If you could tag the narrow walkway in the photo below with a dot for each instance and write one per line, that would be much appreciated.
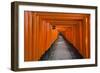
(61, 50)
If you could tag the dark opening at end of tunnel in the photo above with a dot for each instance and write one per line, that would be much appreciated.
(61, 49)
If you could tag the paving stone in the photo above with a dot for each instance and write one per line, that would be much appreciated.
(61, 50)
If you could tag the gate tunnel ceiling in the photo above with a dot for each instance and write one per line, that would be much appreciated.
(41, 29)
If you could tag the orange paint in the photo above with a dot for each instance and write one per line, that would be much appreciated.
(41, 30)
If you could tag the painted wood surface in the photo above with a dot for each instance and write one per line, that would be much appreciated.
(41, 29)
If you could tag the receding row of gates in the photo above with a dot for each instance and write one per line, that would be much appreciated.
(41, 29)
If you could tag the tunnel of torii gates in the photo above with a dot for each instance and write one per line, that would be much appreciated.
(41, 29)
